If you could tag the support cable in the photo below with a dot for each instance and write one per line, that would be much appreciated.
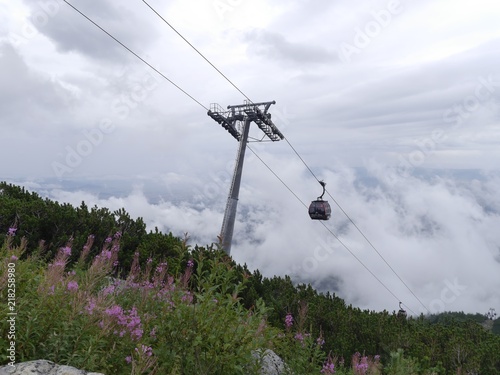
(328, 229)
(267, 166)
(359, 230)
(295, 151)
(199, 53)
(135, 54)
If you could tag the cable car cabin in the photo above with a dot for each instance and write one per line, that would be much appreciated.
(320, 210)
(401, 312)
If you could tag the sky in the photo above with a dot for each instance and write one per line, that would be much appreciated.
(394, 104)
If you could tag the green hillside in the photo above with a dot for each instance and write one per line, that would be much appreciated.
(95, 290)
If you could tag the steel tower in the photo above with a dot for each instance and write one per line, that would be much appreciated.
(246, 114)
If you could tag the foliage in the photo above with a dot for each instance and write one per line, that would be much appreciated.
(53, 224)
(197, 309)
(149, 323)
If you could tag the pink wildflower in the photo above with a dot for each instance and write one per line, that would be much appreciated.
(66, 250)
(108, 290)
(153, 332)
(145, 350)
(72, 286)
(116, 311)
(91, 306)
(299, 337)
(328, 367)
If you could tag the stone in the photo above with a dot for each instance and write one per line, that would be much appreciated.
(271, 363)
(42, 367)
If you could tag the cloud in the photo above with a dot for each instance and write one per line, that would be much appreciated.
(275, 47)
(23, 88)
(437, 232)
(72, 32)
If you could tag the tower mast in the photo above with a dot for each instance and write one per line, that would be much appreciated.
(245, 113)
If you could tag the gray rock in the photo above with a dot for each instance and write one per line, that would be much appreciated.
(271, 363)
(42, 367)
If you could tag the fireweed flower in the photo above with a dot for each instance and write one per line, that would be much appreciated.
(116, 311)
(108, 240)
(128, 359)
(131, 321)
(161, 267)
(187, 297)
(72, 286)
(110, 289)
(153, 332)
(12, 231)
(145, 350)
(360, 364)
(328, 367)
(190, 263)
(14, 258)
(66, 250)
(91, 306)
(288, 320)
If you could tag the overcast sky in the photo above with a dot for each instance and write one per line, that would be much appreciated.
(407, 92)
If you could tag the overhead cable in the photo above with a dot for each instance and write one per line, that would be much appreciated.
(295, 151)
(267, 166)
(133, 53)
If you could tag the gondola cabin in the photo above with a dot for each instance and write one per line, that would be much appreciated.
(320, 209)
(401, 312)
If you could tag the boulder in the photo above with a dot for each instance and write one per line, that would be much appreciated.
(42, 367)
(271, 363)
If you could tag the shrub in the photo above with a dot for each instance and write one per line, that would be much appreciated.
(149, 323)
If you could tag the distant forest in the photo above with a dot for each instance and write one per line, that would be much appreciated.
(443, 342)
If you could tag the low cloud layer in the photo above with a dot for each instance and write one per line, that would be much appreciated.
(438, 232)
